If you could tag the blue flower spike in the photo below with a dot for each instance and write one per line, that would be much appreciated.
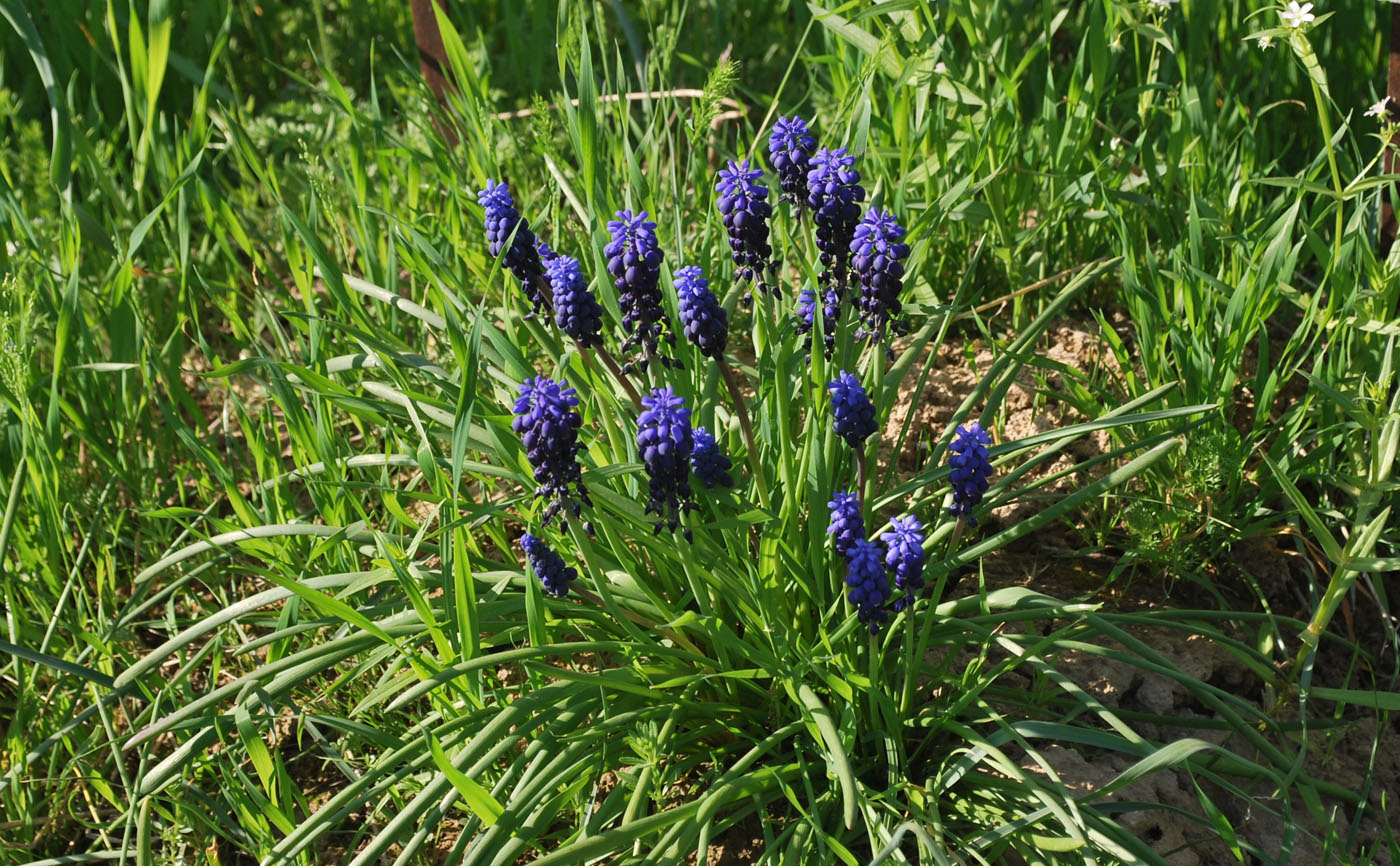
(790, 148)
(970, 470)
(708, 463)
(548, 425)
(704, 321)
(877, 259)
(634, 261)
(576, 311)
(665, 442)
(834, 194)
(744, 208)
(846, 526)
(854, 413)
(807, 316)
(548, 566)
(904, 555)
(504, 225)
(869, 585)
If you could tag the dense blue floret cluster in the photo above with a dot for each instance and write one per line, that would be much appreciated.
(807, 316)
(549, 566)
(576, 311)
(790, 150)
(634, 261)
(546, 252)
(971, 470)
(869, 585)
(548, 426)
(522, 258)
(846, 526)
(877, 258)
(665, 442)
(854, 414)
(743, 205)
(904, 555)
(705, 322)
(708, 463)
(834, 194)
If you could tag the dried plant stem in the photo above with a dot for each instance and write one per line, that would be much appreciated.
(741, 408)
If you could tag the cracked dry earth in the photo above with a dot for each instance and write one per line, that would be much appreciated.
(1341, 745)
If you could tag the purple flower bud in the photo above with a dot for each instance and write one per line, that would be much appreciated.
(665, 442)
(877, 258)
(708, 463)
(548, 566)
(745, 210)
(634, 261)
(904, 555)
(576, 311)
(548, 426)
(705, 322)
(789, 150)
(807, 315)
(521, 258)
(868, 582)
(834, 194)
(846, 526)
(971, 469)
(854, 413)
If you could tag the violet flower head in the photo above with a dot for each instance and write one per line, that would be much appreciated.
(877, 258)
(548, 566)
(846, 526)
(807, 317)
(904, 555)
(854, 414)
(789, 150)
(521, 258)
(634, 261)
(971, 469)
(743, 204)
(546, 252)
(705, 322)
(548, 425)
(834, 194)
(665, 442)
(868, 582)
(576, 310)
(708, 463)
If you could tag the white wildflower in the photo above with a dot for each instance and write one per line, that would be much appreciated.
(941, 68)
(1266, 42)
(1380, 109)
(1162, 4)
(1295, 15)
(1115, 143)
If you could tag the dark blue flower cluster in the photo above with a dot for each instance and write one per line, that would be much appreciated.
(665, 442)
(904, 555)
(576, 311)
(634, 260)
(546, 252)
(504, 225)
(854, 414)
(705, 322)
(790, 149)
(846, 526)
(743, 205)
(549, 566)
(971, 470)
(869, 585)
(548, 426)
(877, 258)
(834, 194)
(708, 463)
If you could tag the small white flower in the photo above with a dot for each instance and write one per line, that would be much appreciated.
(1380, 109)
(941, 68)
(1162, 4)
(1296, 15)
(1266, 42)
(1115, 143)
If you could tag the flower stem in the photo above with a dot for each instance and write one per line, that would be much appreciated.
(616, 372)
(741, 408)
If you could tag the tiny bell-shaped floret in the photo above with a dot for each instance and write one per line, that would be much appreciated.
(548, 566)
(970, 470)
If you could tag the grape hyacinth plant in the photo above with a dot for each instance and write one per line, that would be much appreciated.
(634, 261)
(807, 317)
(504, 225)
(854, 414)
(869, 584)
(846, 525)
(548, 566)
(877, 259)
(576, 312)
(548, 425)
(704, 321)
(834, 194)
(743, 205)
(970, 470)
(708, 463)
(665, 442)
(904, 555)
(790, 148)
